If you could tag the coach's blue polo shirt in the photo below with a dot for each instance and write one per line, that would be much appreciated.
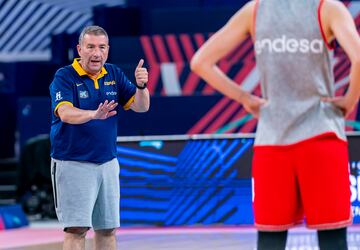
(93, 141)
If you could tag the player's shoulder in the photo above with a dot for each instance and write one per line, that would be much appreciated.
(251, 3)
(333, 2)
(333, 6)
(250, 6)
(245, 14)
(335, 10)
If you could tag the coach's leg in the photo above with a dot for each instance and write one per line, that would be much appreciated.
(75, 238)
(106, 216)
(105, 239)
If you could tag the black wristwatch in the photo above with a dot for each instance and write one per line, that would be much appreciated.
(141, 87)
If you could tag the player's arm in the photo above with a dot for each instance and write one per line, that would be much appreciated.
(219, 45)
(72, 115)
(343, 29)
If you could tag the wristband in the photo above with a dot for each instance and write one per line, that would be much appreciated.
(141, 87)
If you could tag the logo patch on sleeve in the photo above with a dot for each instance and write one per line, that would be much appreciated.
(58, 96)
(83, 94)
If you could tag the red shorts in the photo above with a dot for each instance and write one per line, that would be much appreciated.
(309, 179)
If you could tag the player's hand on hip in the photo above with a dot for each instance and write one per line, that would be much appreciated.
(105, 110)
(141, 74)
(344, 104)
(253, 104)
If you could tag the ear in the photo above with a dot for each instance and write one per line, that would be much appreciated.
(78, 47)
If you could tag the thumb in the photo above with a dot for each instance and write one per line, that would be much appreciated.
(140, 64)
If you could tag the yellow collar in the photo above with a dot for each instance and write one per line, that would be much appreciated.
(76, 65)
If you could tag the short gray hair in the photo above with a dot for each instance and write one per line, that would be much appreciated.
(93, 30)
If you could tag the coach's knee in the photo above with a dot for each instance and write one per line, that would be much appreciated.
(106, 232)
(77, 231)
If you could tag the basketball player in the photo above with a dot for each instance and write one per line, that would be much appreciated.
(300, 164)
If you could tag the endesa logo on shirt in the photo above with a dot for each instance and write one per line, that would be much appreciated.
(289, 45)
(112, 93)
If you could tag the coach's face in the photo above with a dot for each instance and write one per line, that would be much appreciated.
(93, 52)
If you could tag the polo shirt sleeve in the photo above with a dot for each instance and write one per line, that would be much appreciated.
(126, 90)
(61, 91)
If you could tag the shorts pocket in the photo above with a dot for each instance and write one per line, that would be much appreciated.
(53, 175)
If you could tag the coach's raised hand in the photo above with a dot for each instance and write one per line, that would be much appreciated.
(142, 98)
(141, 75)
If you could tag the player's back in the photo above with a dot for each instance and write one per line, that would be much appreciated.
(295, 65)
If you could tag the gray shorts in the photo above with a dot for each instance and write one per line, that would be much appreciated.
(86, 194)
